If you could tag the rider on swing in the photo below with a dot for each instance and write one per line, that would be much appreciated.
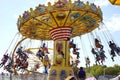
(4, 59)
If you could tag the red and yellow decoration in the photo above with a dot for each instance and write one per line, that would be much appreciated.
(80, 17)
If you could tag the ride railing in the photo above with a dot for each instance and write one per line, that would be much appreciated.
(24, 77)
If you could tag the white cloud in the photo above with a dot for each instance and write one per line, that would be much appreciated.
(102, 3)
(113, 23)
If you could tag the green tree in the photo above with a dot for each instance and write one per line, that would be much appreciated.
(97, 70)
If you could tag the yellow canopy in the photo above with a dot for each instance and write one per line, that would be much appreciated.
(81, 18)
(115, 2)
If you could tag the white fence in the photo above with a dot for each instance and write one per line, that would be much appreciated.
(24, 77)
(37, 76)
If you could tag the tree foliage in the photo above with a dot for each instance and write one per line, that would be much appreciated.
(97, 70)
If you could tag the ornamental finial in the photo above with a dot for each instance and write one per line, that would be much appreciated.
(50, 7)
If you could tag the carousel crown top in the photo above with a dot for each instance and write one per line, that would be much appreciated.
(80, 17)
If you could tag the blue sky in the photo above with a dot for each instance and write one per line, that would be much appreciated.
(11, 9)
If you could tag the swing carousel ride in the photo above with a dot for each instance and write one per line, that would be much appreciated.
(60, 23)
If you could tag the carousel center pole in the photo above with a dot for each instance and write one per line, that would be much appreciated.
(61, 59)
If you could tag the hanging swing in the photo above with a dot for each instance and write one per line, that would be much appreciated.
(8, 62)
(87, 59)
(74, 47)
(6, 55)
(114, 48)
(98, 51)
(40, 52)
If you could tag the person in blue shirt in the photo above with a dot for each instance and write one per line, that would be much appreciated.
(81, 74)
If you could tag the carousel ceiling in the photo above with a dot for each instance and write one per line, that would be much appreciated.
(81, 17)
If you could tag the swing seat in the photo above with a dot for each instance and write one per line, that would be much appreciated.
(114, 55)
(17, 60)
(4, 61)
(97, 58)
(102, 59)
(97, 45)
(8, 69)
(37, 66)
(24, 65)
(44, 49)
(71, 46)
(75, 53)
